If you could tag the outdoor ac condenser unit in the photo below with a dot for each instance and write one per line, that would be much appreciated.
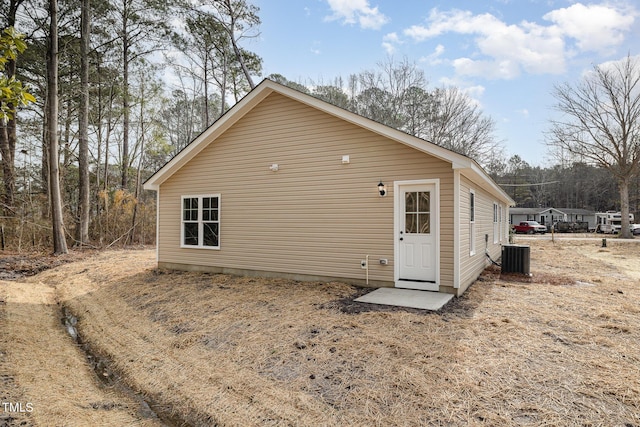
(515, 259)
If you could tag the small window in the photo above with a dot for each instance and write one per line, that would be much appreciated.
(200, 222)
(496, 225)
(417, 212)
(501, 214)
(472, 222)
(472, 207)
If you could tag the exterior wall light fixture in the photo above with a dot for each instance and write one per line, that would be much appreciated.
(382, 189)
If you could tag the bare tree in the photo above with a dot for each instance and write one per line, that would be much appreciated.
(383, 94)
(204, 44)
(454, 121)
(397, 95)
(211, 51)
(59, 242)
(601, 121)
(138, 26)
(239, 19)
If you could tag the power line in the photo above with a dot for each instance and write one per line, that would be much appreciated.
(528, 185)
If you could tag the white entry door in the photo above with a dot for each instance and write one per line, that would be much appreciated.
(417, 236)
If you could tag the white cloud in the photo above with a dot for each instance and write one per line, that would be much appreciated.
(435, 57)
(357, 11)
(315, 48)
(390, 41)
(609, 66)
(595, 27)
(392, 37)
(458, 21)
(390, 48)
(504, 51)
(474, 92)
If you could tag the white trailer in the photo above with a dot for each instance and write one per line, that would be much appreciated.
(610, 222)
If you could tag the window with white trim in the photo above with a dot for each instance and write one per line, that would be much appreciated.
(501, 213)
(472, 222)
(496, 226)
(200, 226)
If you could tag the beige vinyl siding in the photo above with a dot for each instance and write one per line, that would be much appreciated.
(472, 265)
(313, 217)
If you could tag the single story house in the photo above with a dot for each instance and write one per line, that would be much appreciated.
(287, 185)
(549, 216)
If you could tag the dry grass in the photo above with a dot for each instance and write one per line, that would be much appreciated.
(561, 348)
(46, 372)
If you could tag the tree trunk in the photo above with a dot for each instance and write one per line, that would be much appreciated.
(223, 86)
(132, 233)
(44, 168)
(623, 185)
(59, 242)
(205, 82)
(234, 43)
(125, 105)
(8, 129)
(82, 227)
(7, 170)
(64, 141)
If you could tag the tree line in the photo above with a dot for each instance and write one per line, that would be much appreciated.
(96, 96)
(574, 185)
(74, 159)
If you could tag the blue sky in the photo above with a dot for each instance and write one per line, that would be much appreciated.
(507, 54)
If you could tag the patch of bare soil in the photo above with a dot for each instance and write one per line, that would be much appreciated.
(561, 347)
(16, 265)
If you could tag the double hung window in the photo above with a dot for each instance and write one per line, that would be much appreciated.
(200, 222)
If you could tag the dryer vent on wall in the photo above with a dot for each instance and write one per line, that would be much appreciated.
(515, 259)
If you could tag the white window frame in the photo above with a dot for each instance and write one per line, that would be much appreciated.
(199, 221)
(501, 212)
(496, 223)
(472, 222)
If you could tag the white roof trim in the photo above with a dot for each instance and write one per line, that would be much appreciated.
(266, 87)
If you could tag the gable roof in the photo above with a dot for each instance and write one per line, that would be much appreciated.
(536, 211)
(267, 87)
(525, 211)
(552, 210)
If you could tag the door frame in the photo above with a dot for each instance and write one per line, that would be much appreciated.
(398, 207)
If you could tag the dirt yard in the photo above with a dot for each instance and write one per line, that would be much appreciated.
(560, 348)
